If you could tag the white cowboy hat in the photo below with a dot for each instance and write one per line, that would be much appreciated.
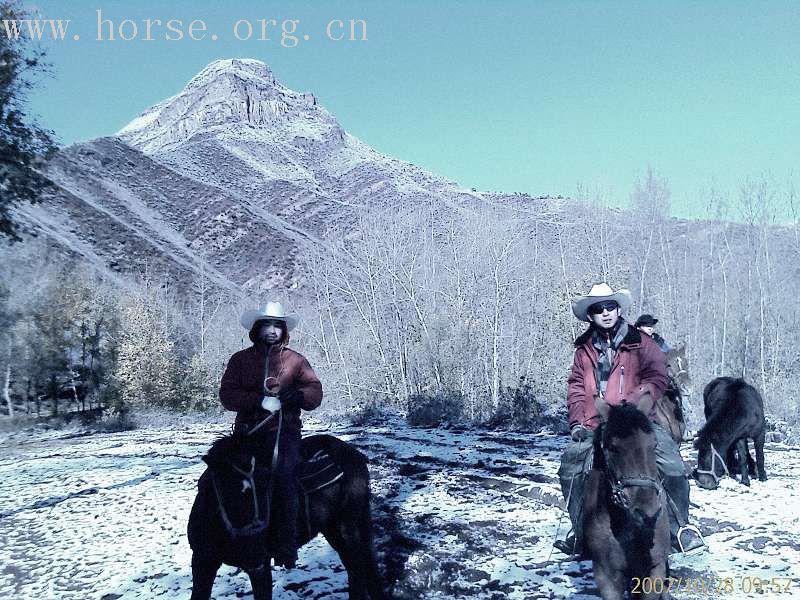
(272, 310)
(599, 293)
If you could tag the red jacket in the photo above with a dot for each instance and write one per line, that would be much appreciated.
(639, 367)
(242, 387)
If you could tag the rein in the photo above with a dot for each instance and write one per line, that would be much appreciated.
(257, 525)
(713, 472)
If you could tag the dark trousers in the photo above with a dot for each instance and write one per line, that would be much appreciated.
(285, 500)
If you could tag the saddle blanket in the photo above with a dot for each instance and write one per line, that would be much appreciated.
(318, 471)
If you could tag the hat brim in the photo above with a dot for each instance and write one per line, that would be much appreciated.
(250, 317)
(580, 306)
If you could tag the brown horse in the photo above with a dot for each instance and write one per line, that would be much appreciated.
(734, 413)
(669, 408)
(625, 518)
(231, 513)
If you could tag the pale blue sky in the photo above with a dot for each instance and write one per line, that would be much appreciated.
(510, 96)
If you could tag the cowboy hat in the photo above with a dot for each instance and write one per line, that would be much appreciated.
(599, 293)
(272, 310)
(645, 321)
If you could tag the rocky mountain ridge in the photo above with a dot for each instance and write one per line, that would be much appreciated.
(232, 177)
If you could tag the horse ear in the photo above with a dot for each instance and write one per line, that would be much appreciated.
(602, 407)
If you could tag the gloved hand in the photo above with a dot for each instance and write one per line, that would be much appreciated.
(290, 397)
(579, 433)
(270, 403)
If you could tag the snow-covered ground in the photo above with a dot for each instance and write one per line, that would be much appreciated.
(457, 514)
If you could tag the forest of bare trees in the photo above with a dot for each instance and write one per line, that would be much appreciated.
(469, 309)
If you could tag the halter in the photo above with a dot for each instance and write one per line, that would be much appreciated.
(618, 484)
(714, 456)
(257, 525)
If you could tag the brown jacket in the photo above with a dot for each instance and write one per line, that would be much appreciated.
(242, 387)
(639, 367)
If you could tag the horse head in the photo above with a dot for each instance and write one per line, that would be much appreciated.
(711, 465)
(625, 520)
(627, 447)
(239, 475)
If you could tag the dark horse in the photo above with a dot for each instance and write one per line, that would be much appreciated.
(669, 409)
(229, 519)
(734, 413)
(625, 516)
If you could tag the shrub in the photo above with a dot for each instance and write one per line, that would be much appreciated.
(443, 408)
(369, 413)
(519, 408)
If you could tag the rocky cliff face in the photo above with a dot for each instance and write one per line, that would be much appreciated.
(234, 177)
(226, 93)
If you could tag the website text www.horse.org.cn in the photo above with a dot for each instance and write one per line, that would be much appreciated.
(287, 32)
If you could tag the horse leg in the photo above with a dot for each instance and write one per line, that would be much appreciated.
(751, 465)
(758, 442)
(610, 582)
(658, 582)
(204, 570)
(741, 448)
(261, 581)
(353, 543)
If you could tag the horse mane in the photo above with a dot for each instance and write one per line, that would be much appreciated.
(625, 419)
(228, 448)
(225, 448)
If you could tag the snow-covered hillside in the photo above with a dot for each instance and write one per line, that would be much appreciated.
(457, 514)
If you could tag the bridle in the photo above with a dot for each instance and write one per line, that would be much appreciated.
(257, 525)
(618, 484)
(713, 472)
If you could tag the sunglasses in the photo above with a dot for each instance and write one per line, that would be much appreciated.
(598, 308)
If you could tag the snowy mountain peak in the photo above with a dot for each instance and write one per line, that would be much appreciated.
(227, 93)
(243, 68)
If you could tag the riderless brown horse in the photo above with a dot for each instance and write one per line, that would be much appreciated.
(625, 518)
(734, 413)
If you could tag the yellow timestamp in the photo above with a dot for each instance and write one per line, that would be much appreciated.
(713, 585)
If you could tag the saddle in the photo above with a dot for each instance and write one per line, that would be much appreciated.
(314, 473)
(318, 471)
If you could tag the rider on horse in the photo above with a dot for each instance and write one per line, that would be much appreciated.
(267, 384)
(615, 362)
(671, 404)
(647, 324)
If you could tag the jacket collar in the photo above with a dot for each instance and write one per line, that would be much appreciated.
(632, 340)
(260, 350)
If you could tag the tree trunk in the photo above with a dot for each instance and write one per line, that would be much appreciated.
(6, 389)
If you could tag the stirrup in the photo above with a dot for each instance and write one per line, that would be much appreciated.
(568, 546)
(696, 549)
